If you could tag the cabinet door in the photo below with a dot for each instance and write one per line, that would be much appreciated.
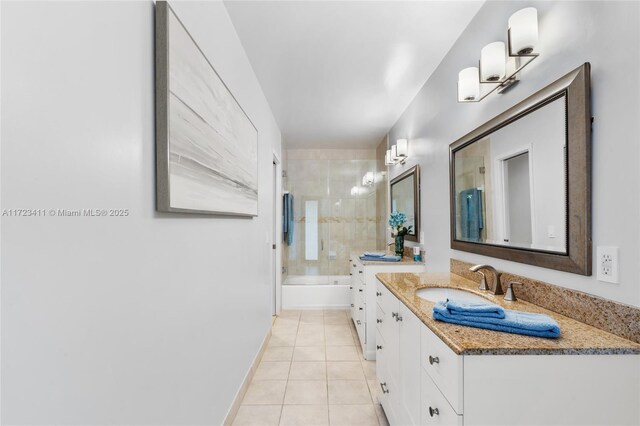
(435, 407)
(409, 366)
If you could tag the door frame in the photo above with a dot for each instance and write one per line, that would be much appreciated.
(276, 224)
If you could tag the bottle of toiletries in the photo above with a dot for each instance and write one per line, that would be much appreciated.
(416, 254)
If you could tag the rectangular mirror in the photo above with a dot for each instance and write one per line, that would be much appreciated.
(520, 184)
(405, 198)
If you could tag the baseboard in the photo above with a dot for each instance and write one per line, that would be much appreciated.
(235, 405)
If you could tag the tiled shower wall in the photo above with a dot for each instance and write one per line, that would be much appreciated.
(383, 235)
(346, 210)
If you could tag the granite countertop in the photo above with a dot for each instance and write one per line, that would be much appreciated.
(406, 260)
(577, 337)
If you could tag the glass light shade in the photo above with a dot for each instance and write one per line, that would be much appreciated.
(394, 152)
(402, 147)
(387, 158)
(468, 84)
(493, 62)
(523, 31)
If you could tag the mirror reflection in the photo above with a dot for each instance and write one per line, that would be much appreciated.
(510, 185)
(404, 199)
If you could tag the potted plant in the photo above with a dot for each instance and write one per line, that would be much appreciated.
(397, 221)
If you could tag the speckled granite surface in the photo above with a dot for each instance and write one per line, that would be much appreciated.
(614, 317)
(406, 260)
(577, 337)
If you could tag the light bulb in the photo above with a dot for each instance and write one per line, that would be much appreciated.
(468, 84)
(493, 62)
(402, 147)
(523, 31)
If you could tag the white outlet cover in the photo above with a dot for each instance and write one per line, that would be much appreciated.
(607, 264)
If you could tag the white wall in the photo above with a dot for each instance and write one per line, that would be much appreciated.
(149, 319)
(571, 33)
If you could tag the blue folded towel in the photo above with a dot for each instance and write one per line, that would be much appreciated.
(517, 322)
(373, 254)
(461, 308)
(385, 258)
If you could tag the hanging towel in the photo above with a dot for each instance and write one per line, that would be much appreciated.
(471, 216)
(287, 218)
(460, 308)
(385, 258)
(537, 325)
(290, 215)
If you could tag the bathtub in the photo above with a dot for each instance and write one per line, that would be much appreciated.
(316, 292)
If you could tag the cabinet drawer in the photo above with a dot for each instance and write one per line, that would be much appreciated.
(385, 298)
(443, 366)
(435, 409)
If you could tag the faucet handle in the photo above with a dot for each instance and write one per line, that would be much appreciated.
(483, 282)
(510, 295)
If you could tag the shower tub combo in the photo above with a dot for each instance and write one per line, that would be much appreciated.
(316, 291)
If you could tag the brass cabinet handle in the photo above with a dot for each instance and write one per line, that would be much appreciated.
(378, 347)
(383, 386)
(378, 293)
(433, 412)
(434, 360)
(377, 320)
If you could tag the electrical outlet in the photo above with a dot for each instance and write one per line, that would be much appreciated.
(607, 264)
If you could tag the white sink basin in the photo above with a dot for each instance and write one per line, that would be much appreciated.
(436, 294)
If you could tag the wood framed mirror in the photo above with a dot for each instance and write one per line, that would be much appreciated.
(405, 198)
(520, 184)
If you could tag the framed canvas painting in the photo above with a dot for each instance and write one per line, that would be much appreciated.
(206, 145)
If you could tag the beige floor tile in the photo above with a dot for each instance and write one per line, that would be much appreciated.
(285, 328)
(337, 329)
(338, 338)
(311, 328)
(335, 311)
(258, 415)
(374, 389)
(342, 353)
(336, 320)
(349, 392)
(369, 368)
(382, 417)
(276, 353)
(345, 370)
(308, 370)
(289, 313)
(310, 339)
(309, 353)
(267, 392)
(352, 415)
(303, 392)
(312, 320)
(304, 415)
(272, 370)
(282, 340)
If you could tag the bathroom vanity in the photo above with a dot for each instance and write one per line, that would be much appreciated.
(431, 372)
(363, 296)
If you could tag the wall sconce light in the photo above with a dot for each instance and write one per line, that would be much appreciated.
(398, 153)
(368, 179)
(499, 64)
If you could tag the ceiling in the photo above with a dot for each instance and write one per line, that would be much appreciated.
(338, 74)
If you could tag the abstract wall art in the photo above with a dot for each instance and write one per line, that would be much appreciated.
(206, 145)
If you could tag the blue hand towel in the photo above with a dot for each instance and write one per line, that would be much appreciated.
(460, 308)
(537, 325)
(373, 254)
(385, 258)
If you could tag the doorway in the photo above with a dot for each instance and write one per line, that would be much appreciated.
(276, 239)
(517, 200)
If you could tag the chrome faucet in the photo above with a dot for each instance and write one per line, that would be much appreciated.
(497, 287)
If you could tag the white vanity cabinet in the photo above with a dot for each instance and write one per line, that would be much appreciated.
(424, 382)
(363, 297)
